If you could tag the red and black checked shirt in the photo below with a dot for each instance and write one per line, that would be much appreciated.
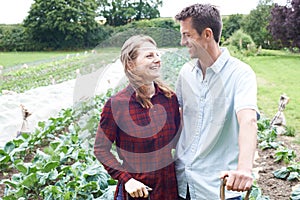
(144, 139)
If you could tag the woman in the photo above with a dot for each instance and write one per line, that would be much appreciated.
(143, 121)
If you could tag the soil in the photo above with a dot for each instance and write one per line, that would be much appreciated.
(274, 188)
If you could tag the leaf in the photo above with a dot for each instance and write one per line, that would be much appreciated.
(293, 176)
(42, 177)
(30, 181)
(52, 192)
(90, 187)
(25, 135)
(108, 193)
(296, 194)
(18, 142)
(9, 146)
(281, 173)
(50, 166)
(53, 174)
(54, 145)
(112, 181)
(10, 183)
(4, 157)
(73, 184)
(22, 168)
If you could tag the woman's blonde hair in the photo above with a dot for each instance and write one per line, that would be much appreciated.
(129, 53)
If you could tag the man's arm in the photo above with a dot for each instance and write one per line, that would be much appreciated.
(241, 179)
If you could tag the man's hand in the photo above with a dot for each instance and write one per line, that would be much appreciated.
(238, 180)
(136, 188)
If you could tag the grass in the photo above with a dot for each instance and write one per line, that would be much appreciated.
(45, 68)
(278, 73)
(8, 59)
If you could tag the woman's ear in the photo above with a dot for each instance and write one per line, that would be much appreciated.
(130, 65)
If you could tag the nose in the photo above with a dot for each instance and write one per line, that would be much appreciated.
(157, 58)
(183, 41)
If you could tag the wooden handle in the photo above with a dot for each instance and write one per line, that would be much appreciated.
(222, 190)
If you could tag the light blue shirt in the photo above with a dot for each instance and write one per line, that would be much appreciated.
(209, 140)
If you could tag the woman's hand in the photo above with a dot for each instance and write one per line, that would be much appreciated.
(136, 188)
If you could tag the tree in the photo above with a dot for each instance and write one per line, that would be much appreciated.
(61, 23)
(293, 21)
(231, 24)
(277, 23)
(255, 24)
(121, 12)
(285, 24)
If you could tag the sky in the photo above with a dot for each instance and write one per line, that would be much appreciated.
(14, 11)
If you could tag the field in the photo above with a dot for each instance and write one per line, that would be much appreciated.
(42, 163)
(19, 58)
(277, 74)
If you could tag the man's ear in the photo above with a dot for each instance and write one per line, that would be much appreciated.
(208, 33)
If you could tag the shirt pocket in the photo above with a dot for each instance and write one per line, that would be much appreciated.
(218, 110)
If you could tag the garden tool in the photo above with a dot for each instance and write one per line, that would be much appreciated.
(222, 190)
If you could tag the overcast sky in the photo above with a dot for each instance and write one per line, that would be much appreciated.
(14, 11)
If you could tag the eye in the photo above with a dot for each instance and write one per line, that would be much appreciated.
(186, 35)
(149, 55)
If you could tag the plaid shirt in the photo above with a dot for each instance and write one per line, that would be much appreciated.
(144, 139)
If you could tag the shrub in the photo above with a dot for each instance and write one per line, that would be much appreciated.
(164, 37)
(242, 42)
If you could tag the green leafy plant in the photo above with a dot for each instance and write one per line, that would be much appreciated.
(290, 131)
(256, 193)
(284, 154)
(62, 165)
(295, 194)
(290, 173)
(266, 135)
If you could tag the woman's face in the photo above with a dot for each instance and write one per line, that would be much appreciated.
(147, 63)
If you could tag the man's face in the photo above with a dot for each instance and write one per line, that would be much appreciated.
(191, 39)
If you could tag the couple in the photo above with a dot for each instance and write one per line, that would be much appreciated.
(216, 137)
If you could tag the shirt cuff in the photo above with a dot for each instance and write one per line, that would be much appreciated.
(124, 177)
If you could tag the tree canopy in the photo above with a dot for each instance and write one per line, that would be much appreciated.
(231, 24)
(285, 24)
(121, 12)
(255, 24)
(61, 22)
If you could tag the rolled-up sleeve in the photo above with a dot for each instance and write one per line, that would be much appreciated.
(105, 137)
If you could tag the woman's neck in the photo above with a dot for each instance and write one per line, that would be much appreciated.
(150, 88)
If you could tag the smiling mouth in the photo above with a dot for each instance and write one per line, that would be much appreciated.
(155, 67)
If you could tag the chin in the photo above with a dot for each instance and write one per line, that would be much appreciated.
(192, 56)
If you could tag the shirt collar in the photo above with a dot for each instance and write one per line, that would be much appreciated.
(218, 65)
(221, 61)
(131, 90)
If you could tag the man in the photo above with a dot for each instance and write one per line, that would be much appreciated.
(217, 96)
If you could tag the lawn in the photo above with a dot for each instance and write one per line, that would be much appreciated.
(278, 74)
(8, 59)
